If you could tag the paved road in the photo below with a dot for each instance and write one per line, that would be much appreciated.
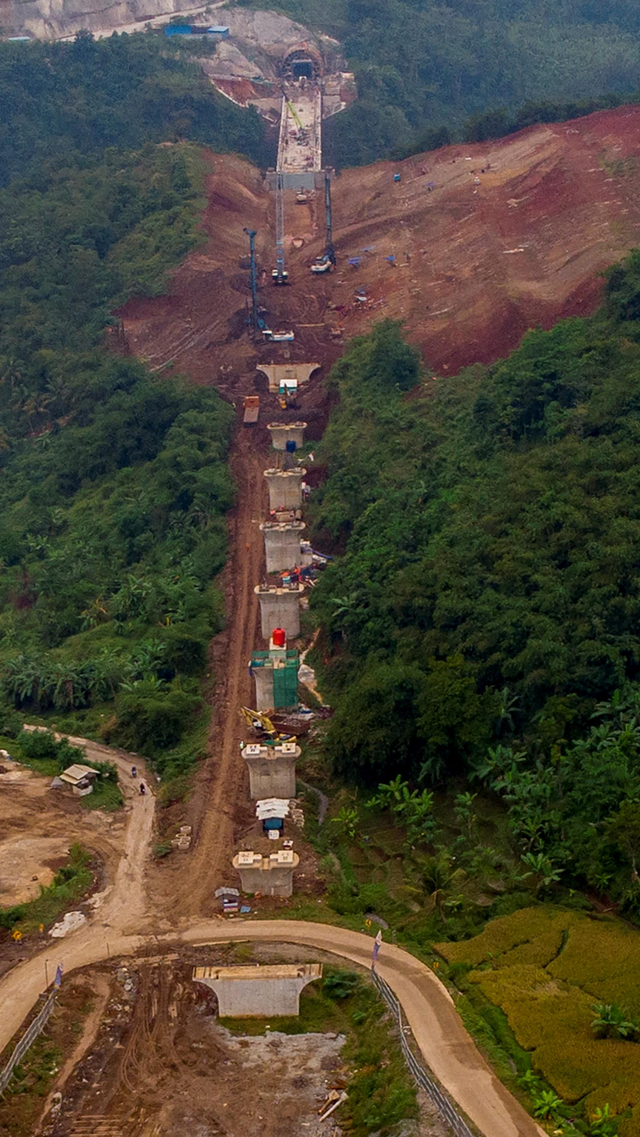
(438, 1030)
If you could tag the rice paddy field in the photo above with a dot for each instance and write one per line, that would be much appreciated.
(545, 967)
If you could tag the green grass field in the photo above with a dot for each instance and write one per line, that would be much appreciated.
(546, 968)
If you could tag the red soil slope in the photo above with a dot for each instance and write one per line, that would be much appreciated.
(479, 259)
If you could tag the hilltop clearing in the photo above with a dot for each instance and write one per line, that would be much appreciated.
(476, 265)
(485, 255)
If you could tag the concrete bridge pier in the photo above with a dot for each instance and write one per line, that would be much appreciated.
(280, 608)
(260, 991)
(285, 488)
(271, 876)
(282, 544)
(283, 432)
(281, 375)
(272, 770)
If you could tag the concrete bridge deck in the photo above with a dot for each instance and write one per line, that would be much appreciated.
(300, 141)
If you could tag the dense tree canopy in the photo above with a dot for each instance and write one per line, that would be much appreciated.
(113, 483)
(68, 102)
(488, 598)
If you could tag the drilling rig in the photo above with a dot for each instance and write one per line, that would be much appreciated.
(279, 274)
(326, 263)
(256, 319)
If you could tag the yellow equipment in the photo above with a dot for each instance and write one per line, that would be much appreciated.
(264, 728)
(295, 114)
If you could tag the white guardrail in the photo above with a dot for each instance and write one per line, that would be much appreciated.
(29, 1036)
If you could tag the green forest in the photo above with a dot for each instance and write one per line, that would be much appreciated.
(481, 624)
(66, 104)
(114, 483)
(422, 65)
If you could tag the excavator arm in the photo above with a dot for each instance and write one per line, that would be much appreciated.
(262, 725)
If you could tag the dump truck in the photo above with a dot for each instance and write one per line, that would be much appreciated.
(251, 406)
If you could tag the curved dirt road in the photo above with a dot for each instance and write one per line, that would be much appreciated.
(124, 902)
(430, 1011)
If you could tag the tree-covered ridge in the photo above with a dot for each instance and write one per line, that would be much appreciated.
(65, 102)
(424, 64)
(486, 605)
(114, 484)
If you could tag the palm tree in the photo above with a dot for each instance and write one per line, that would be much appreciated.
(110, 670)
(440, 878)
(95, 614)
(21, 680)
(391, 795)
(343, 607)
(546, 1104)
(612, 1021)
(506, 710)
(542, 867)
(603, 1123)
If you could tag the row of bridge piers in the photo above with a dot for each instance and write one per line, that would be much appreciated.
(271, 759)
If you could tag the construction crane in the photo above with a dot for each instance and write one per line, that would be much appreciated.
(279, 274)
(256, 321)
(326, 263)
(295, 114)
(264, 728)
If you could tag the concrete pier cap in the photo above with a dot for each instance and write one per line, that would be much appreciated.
(279, 608)
(285, 487)
(272, 769)
(260, 991)
(282, 543)
(283, 432)
(271, 876)
(281, 374)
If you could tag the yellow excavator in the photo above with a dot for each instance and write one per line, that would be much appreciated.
(264, 727)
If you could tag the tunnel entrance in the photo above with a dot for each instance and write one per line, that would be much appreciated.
(302, 62)
(302, 69)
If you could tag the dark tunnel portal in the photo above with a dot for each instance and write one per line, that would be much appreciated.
(302, 69)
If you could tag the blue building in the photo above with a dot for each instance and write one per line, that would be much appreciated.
(216, 31)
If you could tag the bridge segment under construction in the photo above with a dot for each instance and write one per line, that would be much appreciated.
(299, 163)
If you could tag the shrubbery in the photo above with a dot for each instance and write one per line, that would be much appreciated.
(482, 622)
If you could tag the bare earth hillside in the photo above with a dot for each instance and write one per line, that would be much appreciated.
(492, 254)
(479, 258)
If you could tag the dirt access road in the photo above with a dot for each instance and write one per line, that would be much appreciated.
(184, 887)
(430, 1011)
(123, 903)
(200, 327)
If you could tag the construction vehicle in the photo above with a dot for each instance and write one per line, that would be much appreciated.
(282, 336)
(251, 405)
(256, 319)
(279, 274)
(264, 727)
(326, 263)
(288, 393)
